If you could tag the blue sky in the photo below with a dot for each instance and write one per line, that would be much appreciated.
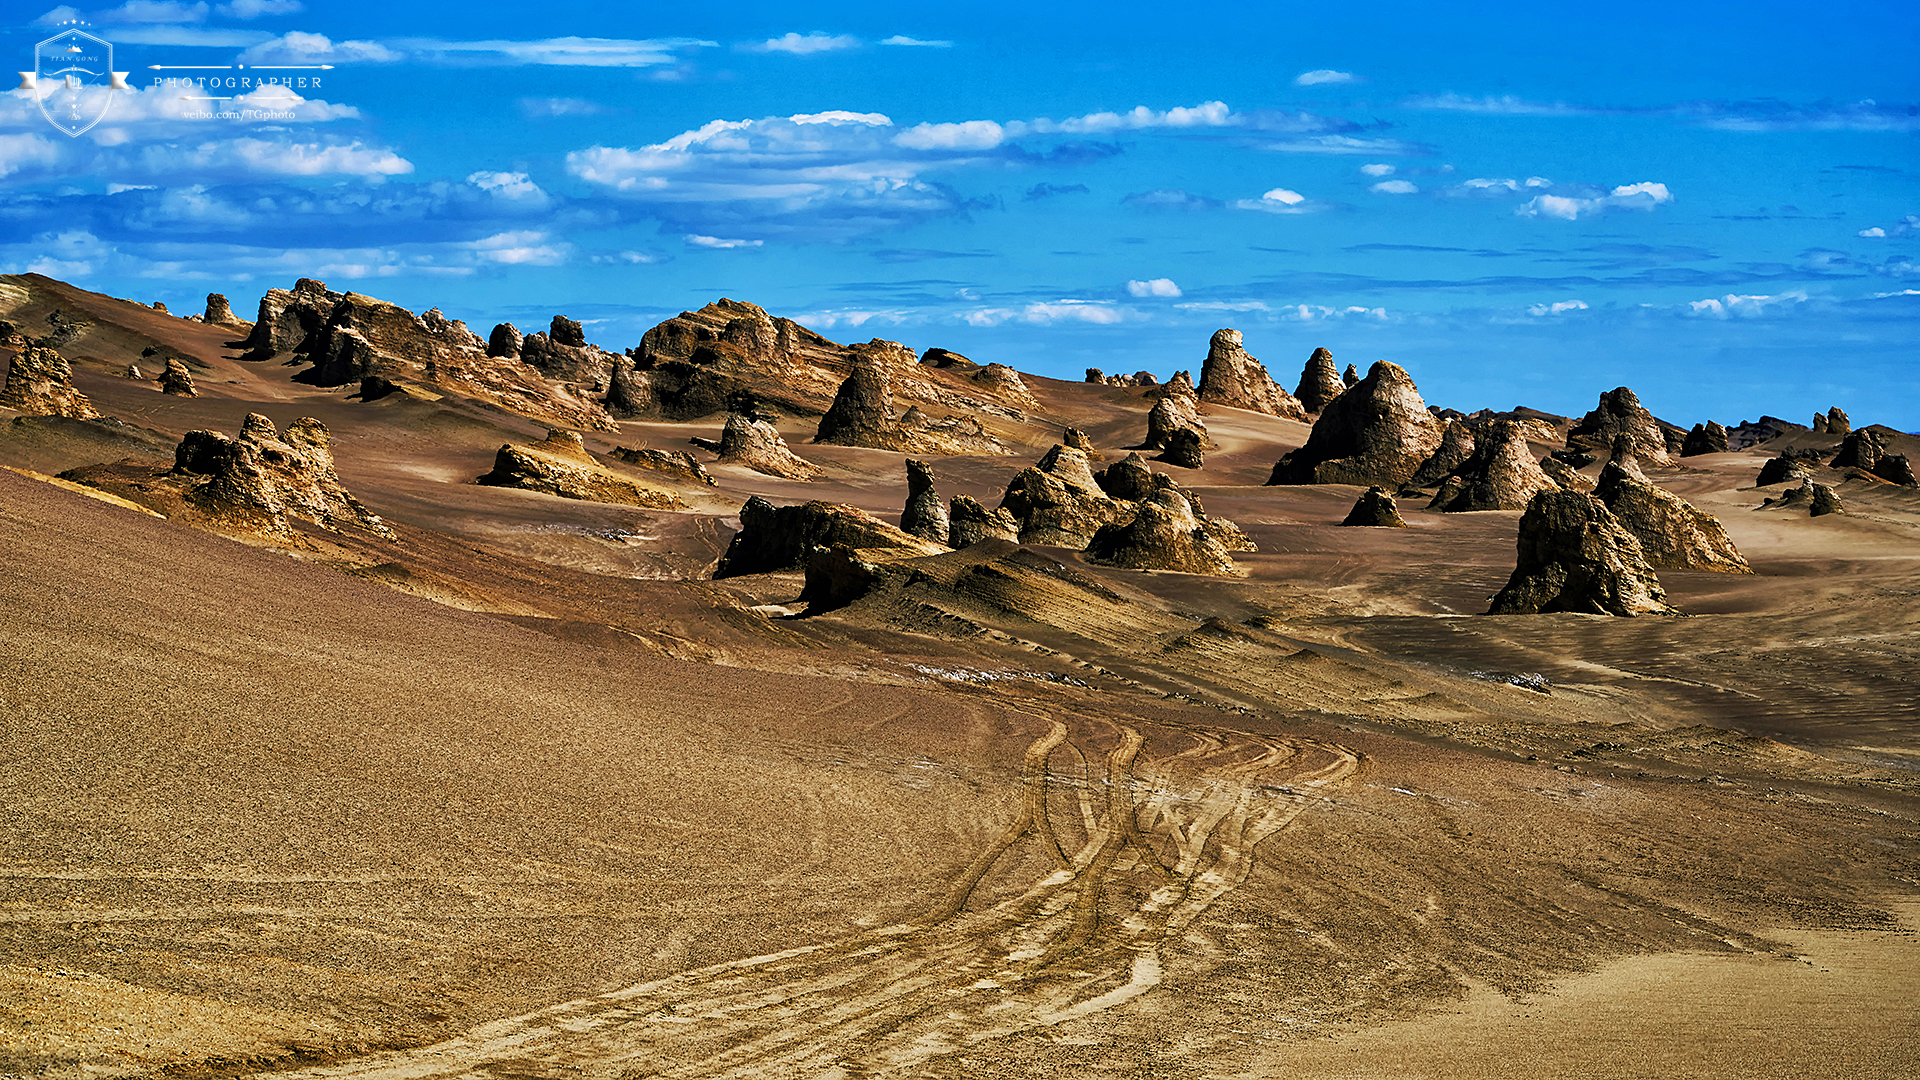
(1713, 203)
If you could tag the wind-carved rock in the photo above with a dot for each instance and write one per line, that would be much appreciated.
(1177, 409)
(699, 363)
(862, 415)
(1375, 508)
(133, 372)
(1707, 438)
(1351, 376)
(1163, 534)
(1782, 470)
(1861, 450)
(1058, 502)
(1620, 413)
(560, 465)
(1377, 433)
(969, 523)
(177, 380)
(220, 313)
(40, 383)
(1005, 383)
(677, 464)
(943, 358)
(1574, 556)
(1501, 474)
(260, 479)
(1130, 479)
(758, 445)
(1077, 439)
(1186, 448)
(563, 355)
(1232, 377)
(925, 516)
(1837, 422)
(1673, 534)
(1456, 446)
(1824, 501)
(1566, 475)
(1896, 469)
(775, 538)
(1320, 382)
(505, 341)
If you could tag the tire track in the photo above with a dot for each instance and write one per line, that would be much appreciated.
(1164, 841)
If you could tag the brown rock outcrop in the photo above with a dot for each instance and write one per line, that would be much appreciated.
(1860, 450)
(1673, 534)
(699, 362)
(560, 465)
(1351, 376)
(505, 341)
(177, 380)
(1173, 413)
(862, 415)
(1378, 432)
(1837, 422)
(1895, 469)
(1005, 383)
(1566, 475)
(1319, 382)
(1058, 502)
(943, 358)
(1501, 474)
(1077, 439)
(563, 355)
(1574, 556)
(40, 383)
(260, 479)
(969, 523)
(1781, 470)
(1163, 534)
(758, 445)
(1186, 448)
(1232, 377)
(1456, 446)
(133, 372)
(1375, 508)
(925, 515)
(1130, 478)
(775, 538)
(677, 464)
(1620, 413)
(220, 313)
(1824, 501)
(1707, 438)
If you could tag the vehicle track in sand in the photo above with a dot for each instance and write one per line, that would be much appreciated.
(1152, 844)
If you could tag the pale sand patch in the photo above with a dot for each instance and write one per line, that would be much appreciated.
(1847, 1007)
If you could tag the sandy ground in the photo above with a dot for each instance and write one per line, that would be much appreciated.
(523, 793)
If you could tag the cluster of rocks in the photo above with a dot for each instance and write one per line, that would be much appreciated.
(1867, 450)
(1138, 378)
(1672, 532)
(1575, 556)
(1234, 378)
(1621, 426)
(1500, 474)
(261, 478)
(1706, 438)
(776, 538)
(676, 464)
(560, 465)
(1174, 426)
(1832, 422)
(750, 440)
(1817, 500)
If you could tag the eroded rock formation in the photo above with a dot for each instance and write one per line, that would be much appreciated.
(1566, 475)
(1058, 502)
(1673, 534)
(969, 523)
(1500, 474)
(1574, 556)
(677, 464)
(220, 313)
(1620, 413)
(1351, 376)
(177, 380)
(1186, 448)
(1707, 438)
(505, 341)
(1163, 534)
(1375, 508)
(1319, 382)
(1177, 409)
(560, 465)
(1232, 377)
(40, 383)
(1377, 433)
(758, 445)
(1456, 446)
(259, 479)
(775, 538)
(925, 515)
(1781, 470)
(862, 415)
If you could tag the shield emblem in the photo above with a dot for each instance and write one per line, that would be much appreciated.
(73, 80)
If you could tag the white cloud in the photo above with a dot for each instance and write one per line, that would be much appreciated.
(1224, 305)
(1323, 77)
(551, 52)
(18, 151)
(1097, 312)
(807, 44)
(61, 14)
(628, 258)
(694, 240)
(1641, 196)
(1285, 197)
(966, 135)
(1731, 306)
(254, 9)
(1507, 105)
(1279, 201)
(514, 187)
(153, 11)
(1378, 170)
(271, 157)
(1317, 313)
(548, 107)
(1206, 114)
(830, 318)
(1558, 308)
(1875, 233)
(902, 39)
(1890, 295)
(1906, 225)
(1395, 187)
(300, 47)
(522, 248)
(1154, 287)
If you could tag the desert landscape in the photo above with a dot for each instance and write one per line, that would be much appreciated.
(387, 700)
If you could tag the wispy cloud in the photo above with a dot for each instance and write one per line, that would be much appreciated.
(1324, 77)
(720, 243)
(550, 52)
(1770, 115)
(255, 9)
(552, 107)
(1049, 191)
(1395, 187)
(1503, 105)
(1171, 199)
(1048, 313)
(1642, 196)
(1281, 201)
(1558, 307)
(806, 44)
(1746, 307)
(902, 39)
